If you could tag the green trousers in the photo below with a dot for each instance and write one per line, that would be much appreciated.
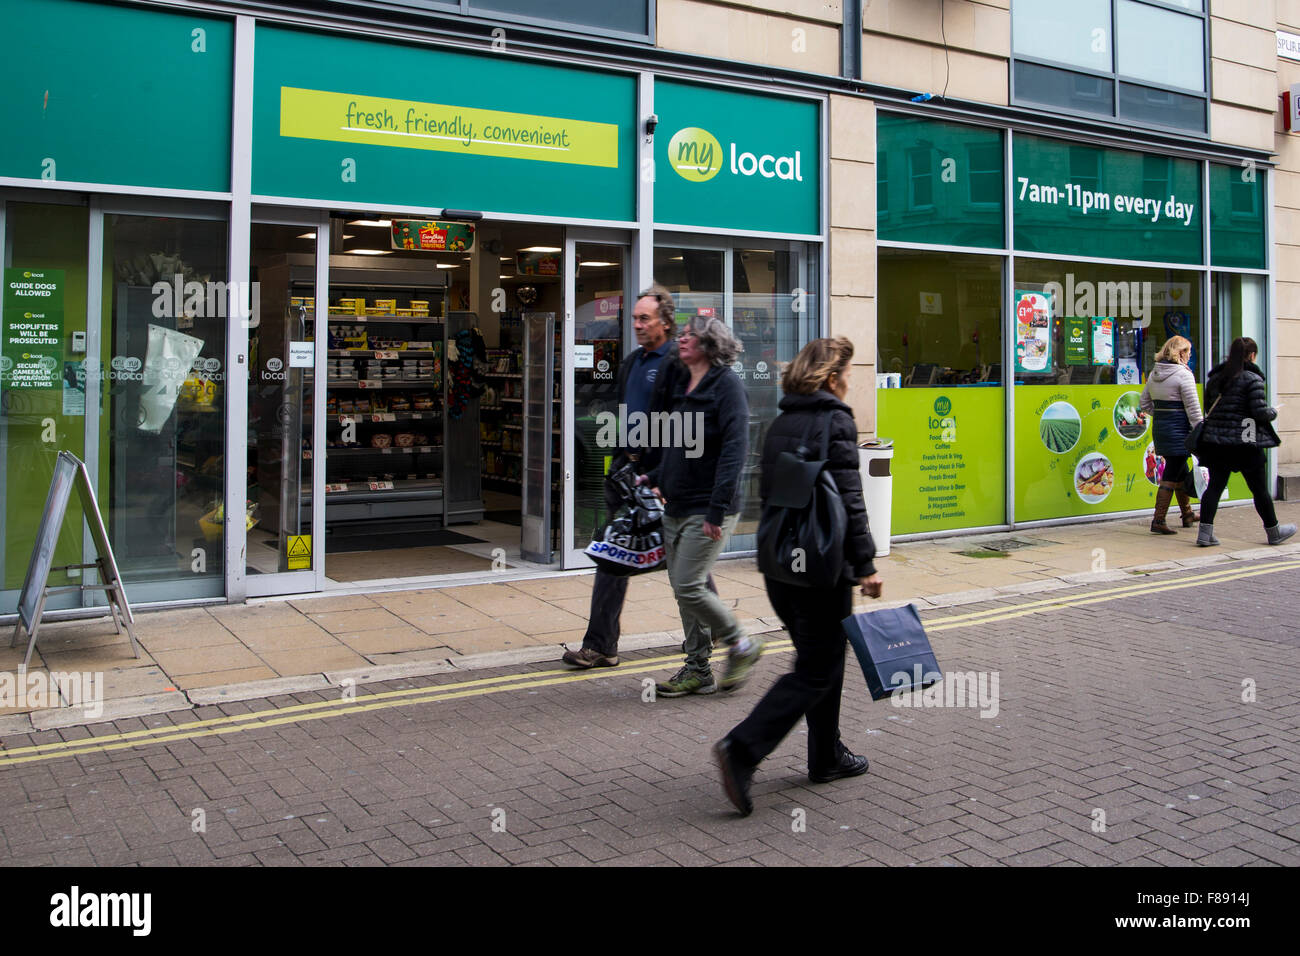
(690, 554)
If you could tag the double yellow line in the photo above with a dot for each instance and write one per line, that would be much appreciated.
(299, 713)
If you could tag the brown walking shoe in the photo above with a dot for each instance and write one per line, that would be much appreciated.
(587, 658)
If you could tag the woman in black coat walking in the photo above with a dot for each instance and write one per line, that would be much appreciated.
(815, 385)
(1238, 427)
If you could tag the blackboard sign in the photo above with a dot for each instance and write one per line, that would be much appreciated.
(69, 470)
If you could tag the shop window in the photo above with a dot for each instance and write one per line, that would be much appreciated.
(627, 18)
(42, 387)
(1055, 45)
(1237, 308)
(694, 276)
(1085, 339)
(167, 314)
(938, 387)
(954, 182)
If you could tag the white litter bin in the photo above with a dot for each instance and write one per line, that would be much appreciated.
(877, 488)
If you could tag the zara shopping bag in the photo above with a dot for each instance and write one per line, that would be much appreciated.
(893, 650)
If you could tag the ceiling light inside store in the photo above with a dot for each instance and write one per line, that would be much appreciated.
(598, 265)
(377, 223)
(675, 258)
(541, 249)
(369, 252)
(445, 265)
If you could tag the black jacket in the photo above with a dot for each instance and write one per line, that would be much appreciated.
(808, 414)
(707, 480)
(660, 395)
(1241, 400)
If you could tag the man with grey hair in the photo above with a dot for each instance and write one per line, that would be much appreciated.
(644, 381)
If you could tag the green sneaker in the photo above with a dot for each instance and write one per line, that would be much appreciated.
(740, 662)
(686, 681)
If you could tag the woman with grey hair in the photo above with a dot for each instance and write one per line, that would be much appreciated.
(699, 477)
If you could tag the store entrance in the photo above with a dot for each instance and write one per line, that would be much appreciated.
(430, 423)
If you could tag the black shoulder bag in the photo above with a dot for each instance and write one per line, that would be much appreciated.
(802, 528)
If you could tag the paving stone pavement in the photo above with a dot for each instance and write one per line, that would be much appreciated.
(1169, 715)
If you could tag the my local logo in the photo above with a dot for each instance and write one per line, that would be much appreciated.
(696, 155)
(942, 406)
(274, 364)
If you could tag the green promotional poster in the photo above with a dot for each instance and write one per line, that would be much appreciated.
(948, 457)
(1083, 450)
(1076, 341)
(32, 355)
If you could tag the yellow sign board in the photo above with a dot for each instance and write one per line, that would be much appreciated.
(410, 124)
(299, 552)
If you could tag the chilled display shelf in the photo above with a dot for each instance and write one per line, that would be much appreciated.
(372, 418)
(383, 353)
(372, 383)
(369, 450)
(341, 319)
(503, 375)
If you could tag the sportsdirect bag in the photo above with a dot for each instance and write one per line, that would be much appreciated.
(633, 541)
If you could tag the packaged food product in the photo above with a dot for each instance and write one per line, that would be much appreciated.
(404, 439)
(420, 307)
(389, 306)
(422, 401)
(419, 346)
(400, 403)
(381, 440)
(356, 341)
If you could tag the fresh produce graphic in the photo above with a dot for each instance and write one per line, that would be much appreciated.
(1094, 476)
(1129, 418)
(1060, 427)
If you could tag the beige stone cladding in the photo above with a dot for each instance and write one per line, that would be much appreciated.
(903, 47)
(853, 246)
(799, 35)
(1286, 238)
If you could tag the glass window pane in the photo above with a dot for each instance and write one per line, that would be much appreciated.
(48, 239)
(1237, 217)
(939, 387)
(626, 16)
(1144, 105)
(1160, 46)
(1064, 90)
(772, 302)
(1077, 33)
(694, 277)
(1237, 309)
(952, 189)
(1086, 336)
(165, 405)
(1077, 200)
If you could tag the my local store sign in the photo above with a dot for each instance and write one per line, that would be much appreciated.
(737, 160)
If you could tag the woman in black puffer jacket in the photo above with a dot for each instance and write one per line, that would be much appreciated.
(815, 384)
(1238, 427)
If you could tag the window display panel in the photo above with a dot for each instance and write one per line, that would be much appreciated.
(164, 401)
(1237, 309)
(1086, 338)
(1237, 217)
(694, 277)
(939, 388)
(42, 383)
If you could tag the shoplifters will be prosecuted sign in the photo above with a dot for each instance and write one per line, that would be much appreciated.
(32, 355)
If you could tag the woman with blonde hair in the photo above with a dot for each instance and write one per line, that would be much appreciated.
(813, 415)
(1170, 392)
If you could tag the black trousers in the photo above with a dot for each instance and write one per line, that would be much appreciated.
(608, 592)
(1223, 460)
(812, 616)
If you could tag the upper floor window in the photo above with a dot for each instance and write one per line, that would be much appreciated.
(1143, 61)
(624, 19)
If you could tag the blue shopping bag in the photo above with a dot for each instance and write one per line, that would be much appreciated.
(893, 650)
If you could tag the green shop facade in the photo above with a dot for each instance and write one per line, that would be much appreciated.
(1025, 283)
(153, 151)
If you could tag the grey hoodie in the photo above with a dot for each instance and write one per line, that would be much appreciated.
(1172, 382)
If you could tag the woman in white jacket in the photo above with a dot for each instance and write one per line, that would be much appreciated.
(1170, 392)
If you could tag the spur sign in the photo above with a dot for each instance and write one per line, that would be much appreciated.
(737, 160)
